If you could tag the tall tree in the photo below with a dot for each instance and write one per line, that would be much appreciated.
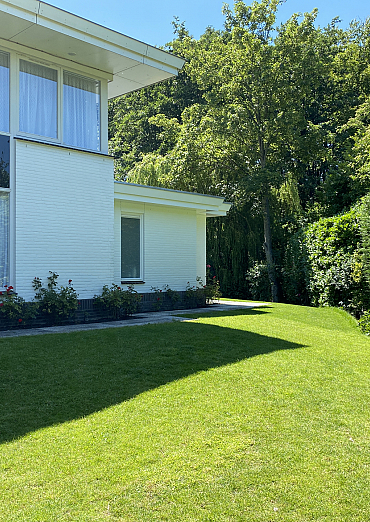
(255, 83)
(259, 115)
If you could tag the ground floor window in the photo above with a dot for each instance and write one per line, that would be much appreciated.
(131, 237)
(4, 209)
(4, 161)
(4, 238)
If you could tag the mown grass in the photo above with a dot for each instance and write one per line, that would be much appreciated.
(253, 415)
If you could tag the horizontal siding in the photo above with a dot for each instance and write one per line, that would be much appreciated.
(173, 247)
(64, 217)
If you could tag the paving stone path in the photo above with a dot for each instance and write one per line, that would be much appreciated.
(147, 318)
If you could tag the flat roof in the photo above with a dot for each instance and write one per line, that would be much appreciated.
(130, 63)
(212, 206)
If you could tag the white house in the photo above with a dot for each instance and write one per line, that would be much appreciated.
(60, 208)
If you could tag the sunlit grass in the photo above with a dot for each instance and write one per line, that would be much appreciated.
(255, 415)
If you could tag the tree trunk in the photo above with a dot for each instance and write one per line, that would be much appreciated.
(268, 248)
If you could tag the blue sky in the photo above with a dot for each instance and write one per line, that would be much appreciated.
(150, 20)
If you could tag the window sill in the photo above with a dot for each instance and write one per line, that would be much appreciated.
(129, 282)
(61, 145)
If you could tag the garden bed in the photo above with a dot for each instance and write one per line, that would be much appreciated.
(89, 312)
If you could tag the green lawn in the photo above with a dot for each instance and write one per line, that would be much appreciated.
(253, 415)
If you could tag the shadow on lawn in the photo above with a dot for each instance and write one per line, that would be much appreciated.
(224, 313)
(51, 379)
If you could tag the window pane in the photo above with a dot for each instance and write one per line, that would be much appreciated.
(4, 161)
(130, 248)
(81, 111)
(4, 92)
(4, 239)
(38, 95)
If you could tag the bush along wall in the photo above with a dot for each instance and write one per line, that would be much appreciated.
(52, 305)
(58, 305)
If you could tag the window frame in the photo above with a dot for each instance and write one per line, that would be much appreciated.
(16, 52)
(8, 263)
(99, 121)
(2, 131)
(59, 101)
(7, 189)
(59, 140)
(140, 217)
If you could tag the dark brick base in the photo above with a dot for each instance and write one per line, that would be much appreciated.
(88, 312)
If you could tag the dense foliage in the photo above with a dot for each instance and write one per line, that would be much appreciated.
(324, 265)
(275, 118)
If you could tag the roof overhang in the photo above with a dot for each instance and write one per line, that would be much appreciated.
(47, 29)
(212, 206)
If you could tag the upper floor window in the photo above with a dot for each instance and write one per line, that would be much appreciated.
(38, 99)
(81, 111)
(4, 92)
(42, 102)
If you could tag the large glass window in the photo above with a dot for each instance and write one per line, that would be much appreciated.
(38, 99)
(4, 161)
(130, 248)
(81, 111)
(4, 238)
(4, 210)
(4, 92)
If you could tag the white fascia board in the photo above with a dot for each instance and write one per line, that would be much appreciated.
(45, 28)
(222, 210)
(212, 205)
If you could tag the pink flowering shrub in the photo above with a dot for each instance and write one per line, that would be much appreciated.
(117, 302)
(53, 302)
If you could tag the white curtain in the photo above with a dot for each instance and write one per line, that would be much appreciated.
(38, 99)
(4, 239)
(81, 111)
(4, 92)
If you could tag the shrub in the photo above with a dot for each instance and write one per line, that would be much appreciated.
(13, 309)
(364, 323)
(336, 270)
(172, 295)
(117, 302)
(165, 297)
(212, 288)
(259, 282)
(364, 220)
(194, 294)
(55, 303)
(295, 270)
(158, 299)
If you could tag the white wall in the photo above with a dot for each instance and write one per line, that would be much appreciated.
(64, 217)
(174, 244)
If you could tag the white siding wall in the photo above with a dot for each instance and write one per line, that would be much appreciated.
(174, 245)
(64, 217)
